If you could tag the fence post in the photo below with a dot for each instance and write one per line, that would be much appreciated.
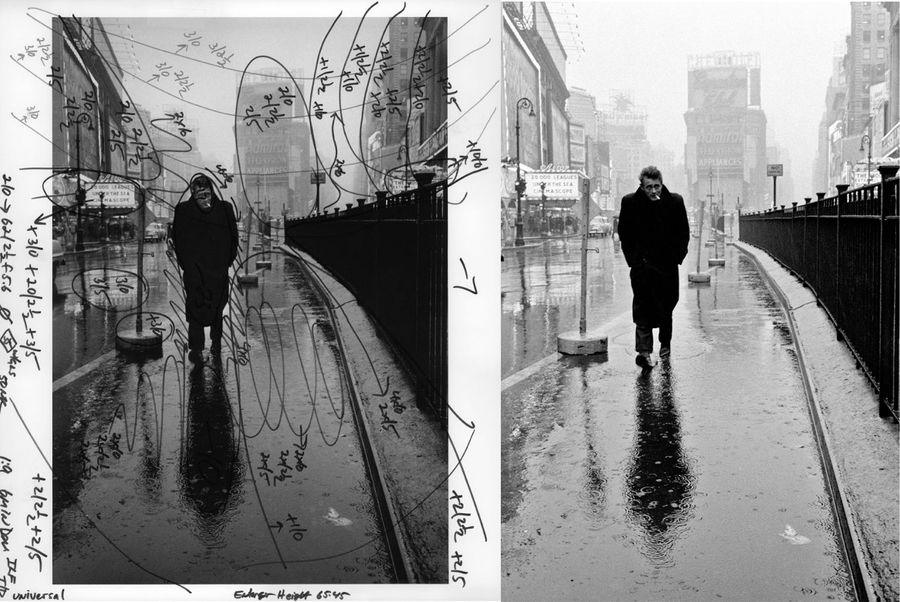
(380, 203)
(884, 379)
(820, 200)
(839, 317)
(806, 269)
(423, 190)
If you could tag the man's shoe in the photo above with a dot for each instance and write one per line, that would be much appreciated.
(665, 351)
(195, 355)
(644, 360)
(215, 348)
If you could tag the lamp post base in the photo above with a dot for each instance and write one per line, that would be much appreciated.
(578, 343)
(699, 277)
(145, 342)
(520, 240)
(248, 279)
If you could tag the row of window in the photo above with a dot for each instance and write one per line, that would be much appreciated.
(867, 35)
(879, 54)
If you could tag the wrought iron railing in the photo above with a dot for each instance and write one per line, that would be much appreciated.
(392, 255)
(845, 248)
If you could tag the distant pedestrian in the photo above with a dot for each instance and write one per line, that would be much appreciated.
(654, 233)
(205, 236)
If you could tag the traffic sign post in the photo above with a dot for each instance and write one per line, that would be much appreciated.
(774, 170)
(582, 342)
(317, 178)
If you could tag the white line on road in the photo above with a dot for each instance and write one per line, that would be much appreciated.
(539, 365)
(74, 375)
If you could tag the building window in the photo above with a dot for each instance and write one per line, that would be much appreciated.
(867, 53)
(881, 18)
(867, 71)
(867, 36)
(881, 35)
(880, 53)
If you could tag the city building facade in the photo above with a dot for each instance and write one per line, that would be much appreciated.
(273, 154)
(94, 136)
(533, 97)
(725, 150)
(623, 125)
(405, 124)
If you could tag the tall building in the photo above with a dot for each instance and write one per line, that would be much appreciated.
(91, 119)
(582, 109)
(272, 145)
(533, 95)
(826, 165)
(725, 151)
(405, 124)
(867, 52)
(890, 115)
(182, 157)
(624, 126)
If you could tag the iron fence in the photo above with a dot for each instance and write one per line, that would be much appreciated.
(392, 255)
(845, 248)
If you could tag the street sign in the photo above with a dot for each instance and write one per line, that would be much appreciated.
(774, 169)
(317, 177)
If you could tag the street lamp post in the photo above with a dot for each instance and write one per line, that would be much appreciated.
(543, 206)
(80, 193)
(102, 230)
(867, 139)
(522, 103)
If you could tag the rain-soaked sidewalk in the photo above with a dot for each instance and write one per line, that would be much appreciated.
(698, 480)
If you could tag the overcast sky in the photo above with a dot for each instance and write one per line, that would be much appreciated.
(184, 45)
(643, 48)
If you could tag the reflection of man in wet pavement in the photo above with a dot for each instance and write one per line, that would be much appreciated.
(206, 242)
(654, 232)
(210, 468)
(659, 480)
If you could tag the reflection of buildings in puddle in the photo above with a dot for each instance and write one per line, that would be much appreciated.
(594, 482)
(537, 420)
(659, 483)
(210, 467)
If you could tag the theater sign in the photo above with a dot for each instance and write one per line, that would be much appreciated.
(561, 188)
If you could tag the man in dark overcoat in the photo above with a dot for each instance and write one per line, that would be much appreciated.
(654, 233)
(205, 238)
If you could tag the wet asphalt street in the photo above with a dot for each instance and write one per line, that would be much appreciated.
(245, 469)
(699, 480)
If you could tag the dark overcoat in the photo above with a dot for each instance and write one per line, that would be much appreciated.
(654, 237)
(206, 244)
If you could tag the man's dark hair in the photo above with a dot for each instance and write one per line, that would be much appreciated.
(651, 172)
(199, 180)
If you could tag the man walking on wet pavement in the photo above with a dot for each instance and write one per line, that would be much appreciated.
(205, 237)
(654, 232)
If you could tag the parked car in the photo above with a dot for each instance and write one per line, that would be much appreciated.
(155, 232)
(600, 226)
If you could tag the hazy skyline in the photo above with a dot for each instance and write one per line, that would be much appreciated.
(643, 48)
(293, 42)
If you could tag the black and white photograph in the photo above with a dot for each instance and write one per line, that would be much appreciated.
(252, 285)
(699, 301)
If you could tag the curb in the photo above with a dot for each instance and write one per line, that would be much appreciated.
(397, 545)
(848, 529)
